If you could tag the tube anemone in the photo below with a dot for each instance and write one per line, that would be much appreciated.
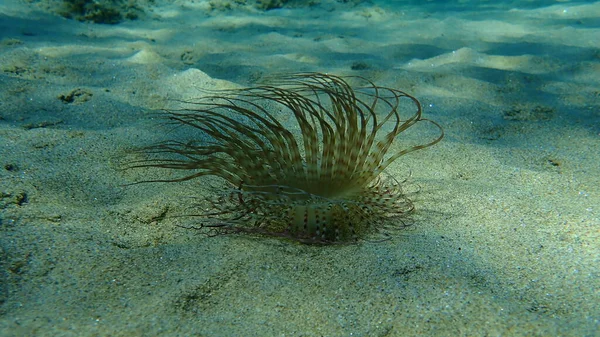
(302, 157)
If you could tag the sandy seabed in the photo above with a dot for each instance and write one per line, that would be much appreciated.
(505, 239)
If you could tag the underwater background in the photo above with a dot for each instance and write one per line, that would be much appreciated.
(505, 238)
